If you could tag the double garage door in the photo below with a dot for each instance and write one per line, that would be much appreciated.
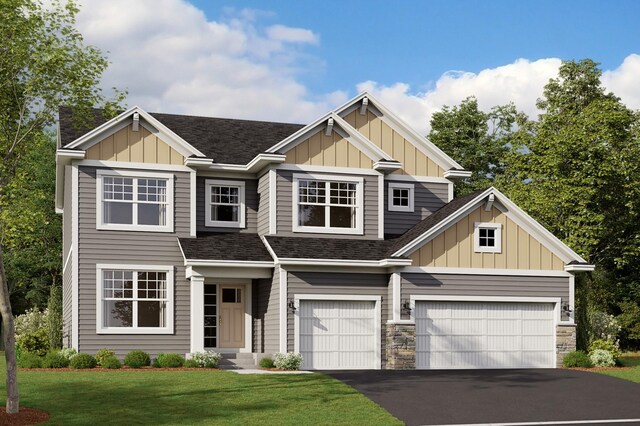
(337, 334)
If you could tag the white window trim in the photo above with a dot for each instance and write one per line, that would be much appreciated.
(397, 185)
(240, 223)
(476, 237)
(359, 228)
(167, 329)
(168, 227)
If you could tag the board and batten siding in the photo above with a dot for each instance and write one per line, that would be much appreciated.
(250, 200)
(454, 248)
(374, 128)
(136, 147)
(428, 197)
(263, 205)
(332, 150)
(424, 284)
(67, 273)
(284, 217)
(339, 284)
(128, 247)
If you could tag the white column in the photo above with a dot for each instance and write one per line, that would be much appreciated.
(197, 314)
(396, 303)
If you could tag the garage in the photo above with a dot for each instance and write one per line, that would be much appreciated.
(458, 335)
(338, 334)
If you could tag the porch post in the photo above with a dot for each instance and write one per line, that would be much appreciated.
(197, 314)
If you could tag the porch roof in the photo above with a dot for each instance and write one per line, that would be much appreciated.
(225, 246)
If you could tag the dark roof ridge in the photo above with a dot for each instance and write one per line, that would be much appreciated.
(248, 120)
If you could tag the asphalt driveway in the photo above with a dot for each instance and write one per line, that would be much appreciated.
(497, 396)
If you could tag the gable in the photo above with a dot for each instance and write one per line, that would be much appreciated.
(333, 150)
(414, 161)
(136, 147)
(454, 248)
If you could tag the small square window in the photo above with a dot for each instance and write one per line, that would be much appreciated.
(400, 197)
(488, 237)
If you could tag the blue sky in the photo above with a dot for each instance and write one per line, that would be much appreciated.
(294, 60)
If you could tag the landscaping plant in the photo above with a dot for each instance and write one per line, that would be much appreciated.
(288, 361)
(577, 359)
(111, 362)
(206, 359)
(29, 360)
(170, 360)
(68, 353)
(266, 362)
(606, 345)
(82, 361)
(602, 358)
(55, 359)
(102, 354)
(137, 359)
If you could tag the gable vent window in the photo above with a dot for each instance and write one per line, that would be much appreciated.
(327, 205)
(225, 203)
(487, 237)
(401, 197)
(134, 201)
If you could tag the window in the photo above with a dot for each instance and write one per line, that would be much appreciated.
(210, 316)
(134, 201)
(135, 300)
(328, 204)
(225, 203)
(400, 197)
(487, 237)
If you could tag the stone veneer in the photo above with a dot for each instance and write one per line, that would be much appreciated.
(565, 342)
(401, 347)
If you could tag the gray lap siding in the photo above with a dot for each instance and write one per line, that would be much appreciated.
(251, 206)
(414, 284)
(129, 247)
(428, 197)
(339, 284)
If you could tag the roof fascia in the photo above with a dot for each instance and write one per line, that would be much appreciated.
(64, 157)
(384, 263)
(360, 141)
(299, 135)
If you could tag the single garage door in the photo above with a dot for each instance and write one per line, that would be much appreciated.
(484, 335)
(337, 334)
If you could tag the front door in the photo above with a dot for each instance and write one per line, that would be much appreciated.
(231, 321)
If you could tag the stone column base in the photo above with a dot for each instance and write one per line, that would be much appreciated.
(565, 342)
(401, 347)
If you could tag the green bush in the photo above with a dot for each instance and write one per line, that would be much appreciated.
(68, 353)
(155, 363)
(206, 359)
(606, 345)
(55, 360)
(82, 361)
(577, 359)
(191, 363)
(170, 360)
(34, 341)
(29, 360)
(102, 354)
(288, 361)
(266, 362)
(111, 362)
(137, 359)
(602, 358)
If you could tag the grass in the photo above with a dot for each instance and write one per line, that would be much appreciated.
(193, 397)
(627, 360)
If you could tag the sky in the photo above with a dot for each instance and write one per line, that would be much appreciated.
(293, 61)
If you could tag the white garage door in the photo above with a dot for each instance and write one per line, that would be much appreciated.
(484, 335)
(338, 334)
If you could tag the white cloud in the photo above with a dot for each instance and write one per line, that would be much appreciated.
(623, 81)
(292, 35)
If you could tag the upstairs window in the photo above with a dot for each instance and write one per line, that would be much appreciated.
(328, 204)
(225, 203)
(487, 237)
(134, 201)
(401, 197)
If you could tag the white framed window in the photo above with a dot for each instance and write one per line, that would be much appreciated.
(401, 197)
(134, 299)
(134, 201)
(487, 237)
(225, 206)
(331, 204)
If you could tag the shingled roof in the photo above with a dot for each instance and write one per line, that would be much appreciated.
(228, 246)
(328, 248)
(227, 141)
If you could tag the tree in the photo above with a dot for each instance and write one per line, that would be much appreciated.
(44, 63)
(479, 140)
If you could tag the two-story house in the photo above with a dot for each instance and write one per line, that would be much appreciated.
(340, 240)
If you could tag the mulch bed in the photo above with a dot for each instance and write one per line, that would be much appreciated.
(123, 368)
(26, 416)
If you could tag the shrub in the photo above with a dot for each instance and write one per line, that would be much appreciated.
(602, 326)
(137, 359)
(207, 359)
(102, 354)
(35, 342)
(111, 362)
(602, 358)
(68, 353)
(288, 361)
(54, 318)
(266, 362)
(155, 363)
(55, 360)
(29, 360)
(82, 361)
(32, 331)
(191, 363)
(606, 345)
(170, 360)
(577, 359)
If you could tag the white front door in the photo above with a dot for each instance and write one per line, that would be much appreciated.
(231, 320)
(484, 335)
(337, 334)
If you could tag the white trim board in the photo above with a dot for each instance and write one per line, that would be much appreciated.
(485, 271)
(75, 272)
(135, 166)
(327, 169)
(284, 293)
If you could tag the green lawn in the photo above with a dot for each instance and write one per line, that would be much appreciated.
(194, 397)
(632, 375)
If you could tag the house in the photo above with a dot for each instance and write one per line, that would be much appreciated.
(340, 239)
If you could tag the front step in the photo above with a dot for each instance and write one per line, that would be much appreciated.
(237, 361)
